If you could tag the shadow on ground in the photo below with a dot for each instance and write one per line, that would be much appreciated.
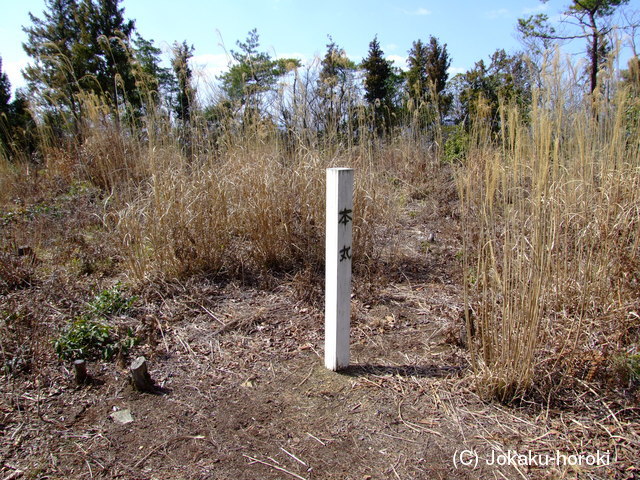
(422, 371)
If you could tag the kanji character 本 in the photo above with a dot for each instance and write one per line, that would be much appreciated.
(345, 216)
(345, 253)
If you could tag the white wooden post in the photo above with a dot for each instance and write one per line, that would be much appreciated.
(338, 267)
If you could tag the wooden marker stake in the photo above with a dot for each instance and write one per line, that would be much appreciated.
(338, 267)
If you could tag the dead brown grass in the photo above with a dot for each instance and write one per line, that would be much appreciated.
(552, 221)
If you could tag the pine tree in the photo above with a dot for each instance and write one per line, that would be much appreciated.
(55, 73)
(81, 46)
(590, 17)
(417, 83)
(184, 91)
(335, 88)
(437, 66)
(16, 123)
(253, 75)
(378, 84)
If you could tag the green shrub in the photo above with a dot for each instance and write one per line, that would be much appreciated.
(89, 336)
(628, 368)
(86, 338)
(456, 146)
(110, 302)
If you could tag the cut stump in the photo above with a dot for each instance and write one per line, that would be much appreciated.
(80, 370)
(141, 379)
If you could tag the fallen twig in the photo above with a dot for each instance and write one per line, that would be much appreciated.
(293, 456)
(306, 378)
(317, 439)
(255, 460)
(15, 474)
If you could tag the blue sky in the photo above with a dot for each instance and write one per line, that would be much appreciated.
(472, 30)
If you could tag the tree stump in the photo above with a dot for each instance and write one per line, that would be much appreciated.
(141, 379)
(24, 250)
(80, 370)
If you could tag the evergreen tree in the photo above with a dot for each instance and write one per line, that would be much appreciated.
(591, 17)
(378, 84)
(427, 75)
(437, 66)
(253, 74)
(22, 128)
(335, 90)
(105, 47)
(507, 79)
(81, 45)
(153, 80)
(5, 96)
(417, 83)
(184, 91)
(5, 91)
(16, 123)
(56, 70)
(377, 74)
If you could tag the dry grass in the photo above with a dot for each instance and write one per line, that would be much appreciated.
(241, 209)
(6, 179)
(15, 271)
(550, 209)
(550, 203)
(552, 220)
(249, 211)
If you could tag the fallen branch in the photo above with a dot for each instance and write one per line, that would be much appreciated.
(255, 460)
(14, 475)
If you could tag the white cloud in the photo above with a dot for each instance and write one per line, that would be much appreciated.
(390, 47)
(209, 65)
(452, 71)
(398, 61)
(419, 11)
(206, 68)
(537, 9)
(500, 13)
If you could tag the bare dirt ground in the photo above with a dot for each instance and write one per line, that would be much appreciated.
(244, 391)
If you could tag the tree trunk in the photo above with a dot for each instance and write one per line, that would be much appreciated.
(594, 54)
